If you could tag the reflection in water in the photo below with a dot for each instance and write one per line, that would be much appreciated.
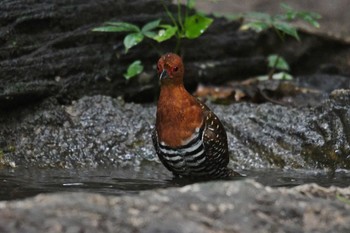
(20, 183)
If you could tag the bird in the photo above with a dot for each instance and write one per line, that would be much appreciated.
(188, 137)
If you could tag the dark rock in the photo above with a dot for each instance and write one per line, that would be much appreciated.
(279, 136)
(22, 93)
(241, 206)
(49, 40)
(100, 130)
(94, 130)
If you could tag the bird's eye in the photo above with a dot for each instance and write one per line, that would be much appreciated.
(175, 68)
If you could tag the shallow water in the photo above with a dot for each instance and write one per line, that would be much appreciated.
(21, 183)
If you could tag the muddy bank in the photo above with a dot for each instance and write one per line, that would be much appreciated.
(241, 206)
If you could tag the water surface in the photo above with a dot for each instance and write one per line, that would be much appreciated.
(21, 182)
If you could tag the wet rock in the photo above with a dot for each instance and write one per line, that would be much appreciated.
(93, 131)
(102, 131)
(270, 135)
(240, 206)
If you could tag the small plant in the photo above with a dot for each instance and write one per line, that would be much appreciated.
(276, 62)
(182, 26)
(134, 69)
(282, 24)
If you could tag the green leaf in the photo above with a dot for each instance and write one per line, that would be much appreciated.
(310, 18)
(150, 34)
(165, 33)
(287, 29)
(134, 69)
(278, 62)
(150, 26)
(121, 27)
(132, 39)
(195, 25)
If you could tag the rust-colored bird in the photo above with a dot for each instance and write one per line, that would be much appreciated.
(189, 138)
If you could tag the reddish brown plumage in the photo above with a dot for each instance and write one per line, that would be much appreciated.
(189, 138)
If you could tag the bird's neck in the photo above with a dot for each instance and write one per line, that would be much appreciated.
(178, 115)
(173, 93)
(175, 98)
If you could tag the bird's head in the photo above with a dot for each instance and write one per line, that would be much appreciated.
(170, 69)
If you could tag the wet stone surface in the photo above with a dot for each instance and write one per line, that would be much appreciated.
(100, 130)
(92, 131)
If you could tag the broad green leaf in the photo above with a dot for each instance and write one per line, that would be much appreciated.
(287, 29)
(165, 33)
(132, 39)
(134, 69)
(150, 34)
(151, 25)
(312, 21)
(195, 25)
(278, 62)
(256, 26)
(124, 27)
(310, 18)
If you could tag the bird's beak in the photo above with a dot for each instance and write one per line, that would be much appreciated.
(163, 75)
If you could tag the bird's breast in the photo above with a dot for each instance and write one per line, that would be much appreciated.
(177, 128)
(179, 118)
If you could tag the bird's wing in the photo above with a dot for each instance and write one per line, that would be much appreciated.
(214, 138)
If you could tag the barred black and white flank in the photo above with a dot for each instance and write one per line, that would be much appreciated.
(205, 154)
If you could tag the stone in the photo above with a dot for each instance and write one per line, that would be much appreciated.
(227, 206)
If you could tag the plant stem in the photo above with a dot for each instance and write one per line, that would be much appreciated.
(179, 15)
(279, 34)
(272, 71)
(178, 24)
(170, 15)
